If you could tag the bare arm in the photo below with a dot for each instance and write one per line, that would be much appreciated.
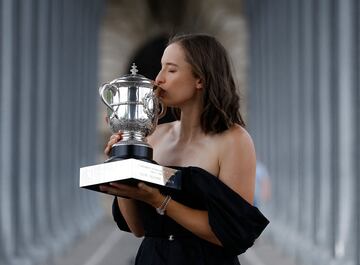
(238, 163)
(196, 221)
(128, 208)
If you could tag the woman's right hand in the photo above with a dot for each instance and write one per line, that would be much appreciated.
(116, 137)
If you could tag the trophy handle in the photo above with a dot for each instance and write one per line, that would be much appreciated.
(163, 110)
(163, 107)
(153, 98)
(102, 91)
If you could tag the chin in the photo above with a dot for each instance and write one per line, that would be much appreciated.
(165, 101)
(171, 103)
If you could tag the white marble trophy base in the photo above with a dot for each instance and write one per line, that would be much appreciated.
(129, 171)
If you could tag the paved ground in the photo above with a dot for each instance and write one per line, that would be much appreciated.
(107, 245)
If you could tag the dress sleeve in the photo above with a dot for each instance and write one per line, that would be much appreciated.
(118, 217)
(235, 222)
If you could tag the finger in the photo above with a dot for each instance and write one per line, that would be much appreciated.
(107, 149)
(120, 186)
(103, 188)
(115, 191)
(145, 187)
(115, 137)
(113, 140)
(124, 188)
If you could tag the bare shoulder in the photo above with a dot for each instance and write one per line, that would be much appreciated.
(237, 161)
(160, 131)
(235, 137)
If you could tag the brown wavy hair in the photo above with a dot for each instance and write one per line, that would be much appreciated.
(210, 62)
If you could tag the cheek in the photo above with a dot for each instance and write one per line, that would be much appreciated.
(184, 93)
(178, 95)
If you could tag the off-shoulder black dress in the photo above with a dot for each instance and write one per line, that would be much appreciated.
(235, 222)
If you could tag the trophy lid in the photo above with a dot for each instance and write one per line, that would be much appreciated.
(133, 79)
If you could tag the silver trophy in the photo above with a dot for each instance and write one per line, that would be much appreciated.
(133, 109)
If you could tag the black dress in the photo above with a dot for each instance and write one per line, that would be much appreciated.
(235, 222)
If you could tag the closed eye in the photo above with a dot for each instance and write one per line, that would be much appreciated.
(170, 67)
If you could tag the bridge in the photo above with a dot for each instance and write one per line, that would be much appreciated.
(296, 63)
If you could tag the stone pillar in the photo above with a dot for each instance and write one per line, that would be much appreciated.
(47, 110)
(25, 128)
(294, 74)
(324, 228)
(345, 246)
(307, 70)
(9, 119)
(41, 137)
(357, 111)
(55, 44)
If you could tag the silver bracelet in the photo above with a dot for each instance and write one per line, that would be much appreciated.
(161, 209)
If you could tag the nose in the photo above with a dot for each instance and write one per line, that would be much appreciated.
(159, 79)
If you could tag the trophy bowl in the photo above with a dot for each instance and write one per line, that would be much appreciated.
(134, 109)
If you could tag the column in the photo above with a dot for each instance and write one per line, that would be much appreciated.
(323, 226)
(24, 146)
(42, 139)
(357, 111)
(9, 113)
(344, 238)
(44, 73)
(294, 109)
(306, 128)
(90, 98)
(55, 76)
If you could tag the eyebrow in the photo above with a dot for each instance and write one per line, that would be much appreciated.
(172, 64)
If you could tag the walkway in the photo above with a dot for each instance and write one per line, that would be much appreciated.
(109, 246)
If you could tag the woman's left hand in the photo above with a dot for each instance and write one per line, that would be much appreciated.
(141, 192)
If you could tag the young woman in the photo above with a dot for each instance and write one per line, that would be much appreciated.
(211, 220)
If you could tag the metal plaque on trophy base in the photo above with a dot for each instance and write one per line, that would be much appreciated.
(133, 109)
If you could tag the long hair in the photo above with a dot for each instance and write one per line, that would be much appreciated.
(209, 61)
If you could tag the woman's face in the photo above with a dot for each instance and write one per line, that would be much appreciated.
(177, 82)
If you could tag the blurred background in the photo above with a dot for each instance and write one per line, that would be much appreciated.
(296, 63)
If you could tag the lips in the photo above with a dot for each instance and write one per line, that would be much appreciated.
(162, 93)
(159, 92)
